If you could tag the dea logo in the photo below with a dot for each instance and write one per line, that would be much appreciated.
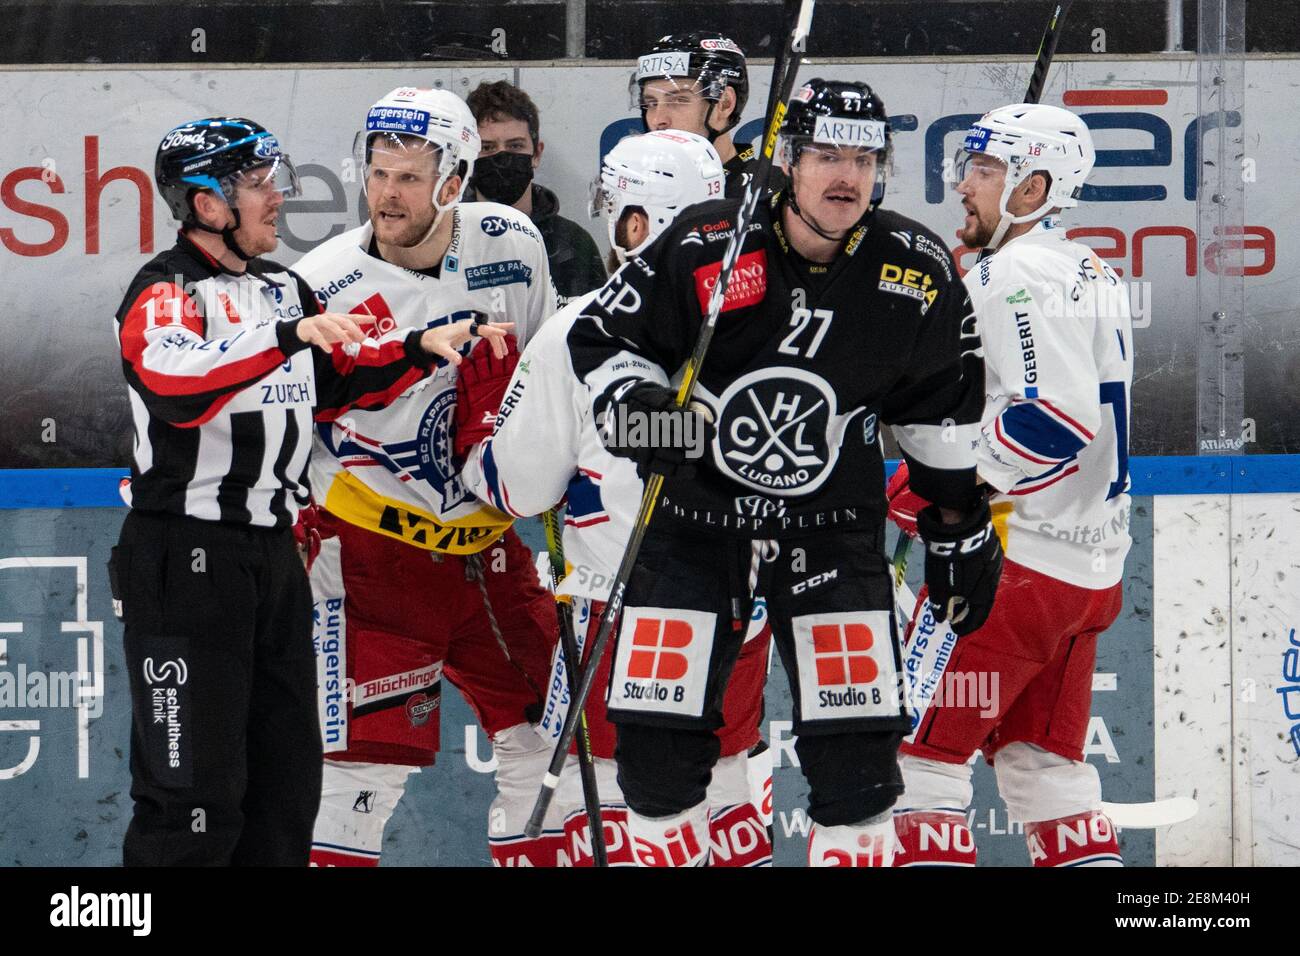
(778, 430)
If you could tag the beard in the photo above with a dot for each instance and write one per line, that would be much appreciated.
(979, 235)
(257, 242)
(410, 234)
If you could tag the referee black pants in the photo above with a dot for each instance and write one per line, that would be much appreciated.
(225, 740)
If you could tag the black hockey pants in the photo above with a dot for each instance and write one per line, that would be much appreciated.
(829, 600)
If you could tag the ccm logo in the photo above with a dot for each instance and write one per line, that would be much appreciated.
(969, 545)
(159, 674)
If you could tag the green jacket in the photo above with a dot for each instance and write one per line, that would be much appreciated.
(575, 262)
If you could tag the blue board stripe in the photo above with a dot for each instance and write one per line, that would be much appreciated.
(1152, 475)
(61, 487)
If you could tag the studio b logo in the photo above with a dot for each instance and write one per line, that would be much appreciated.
(843, 654)
(656, 649)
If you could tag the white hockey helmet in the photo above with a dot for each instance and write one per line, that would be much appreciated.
(439, 117)
(1030, 138)
(660, 173)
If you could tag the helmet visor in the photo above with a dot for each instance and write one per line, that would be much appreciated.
(671, 90)
(963, 164)
(600, 199)
(277, 175)
(397, 153)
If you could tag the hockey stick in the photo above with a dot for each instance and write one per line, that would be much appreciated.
(573, 666)
(789, 11)
(1149, 816)
(921, 683)
(1046, 50)
(784, 82)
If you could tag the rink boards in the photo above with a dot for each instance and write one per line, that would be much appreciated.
(1196, 690)
(78, 213)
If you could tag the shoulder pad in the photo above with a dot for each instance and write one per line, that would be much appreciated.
(316, 263)
(913, 243)
(708, 224)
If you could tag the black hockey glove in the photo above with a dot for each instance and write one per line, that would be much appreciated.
(642, 421)
(963, 563)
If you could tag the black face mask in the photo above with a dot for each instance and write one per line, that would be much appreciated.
(502, 177)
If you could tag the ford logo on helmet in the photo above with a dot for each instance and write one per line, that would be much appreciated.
(267, 147)
(182, 137)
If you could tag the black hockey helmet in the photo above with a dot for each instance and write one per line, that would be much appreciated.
(215, 154)
(710, 60)
(838, 113)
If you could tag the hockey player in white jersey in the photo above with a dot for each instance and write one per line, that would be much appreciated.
(1058, 349)
(546, 449)
(416, 579)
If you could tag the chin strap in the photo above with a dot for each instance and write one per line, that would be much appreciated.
(1008, 220)
(433, 227)
(227, 234)
(623, 255)
(711, 134)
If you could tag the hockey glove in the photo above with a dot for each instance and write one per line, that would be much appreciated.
(481, 382)
(308, 533)
(642, 421)
(963, 563)
(904, 503)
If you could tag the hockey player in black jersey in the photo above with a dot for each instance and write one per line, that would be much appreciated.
(840, 318)
(698, 82)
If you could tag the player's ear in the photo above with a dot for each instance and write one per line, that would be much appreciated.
(210, 210)
(537, 154)
(450, 189)
(726, 106)
(1038, 186)
(638, 229)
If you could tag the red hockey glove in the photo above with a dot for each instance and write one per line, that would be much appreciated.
(480, 385)
(904, 504)
(308, 531)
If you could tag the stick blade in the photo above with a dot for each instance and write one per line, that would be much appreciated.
(1149, 816)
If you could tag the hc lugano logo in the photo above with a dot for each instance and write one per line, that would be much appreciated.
(778, 430)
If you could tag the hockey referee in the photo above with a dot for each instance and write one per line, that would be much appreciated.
(224, 384)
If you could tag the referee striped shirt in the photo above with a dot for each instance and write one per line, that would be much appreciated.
(223, 392)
